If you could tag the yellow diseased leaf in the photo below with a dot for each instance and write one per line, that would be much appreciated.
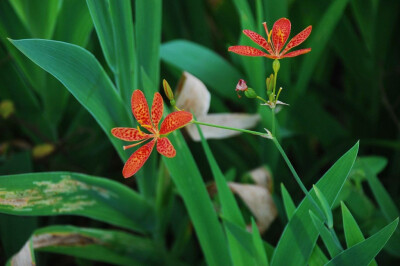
(6, 108)
(42, 150)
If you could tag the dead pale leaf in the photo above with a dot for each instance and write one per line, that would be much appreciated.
(25, 256)
(258, 197)
(193, 96)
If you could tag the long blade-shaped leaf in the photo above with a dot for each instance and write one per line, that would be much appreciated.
(230, 209)
(318, 42)
(288, 203)
(109, 246)
(100, 12)
(299, 237)
(206, 65)
(329, 241)
(84, 77)
(364, 252)
(148, 16)
(197, 201)
(39, 16)
(126, 71)
(61, 193)
(352, 231)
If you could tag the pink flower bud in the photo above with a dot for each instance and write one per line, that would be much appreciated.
(241, 86)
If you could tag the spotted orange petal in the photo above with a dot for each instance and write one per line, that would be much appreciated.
(246, 50)
(140, 109)
(137, 159)
(298, 39)
(258, 39)
(157, 109)
(165, 147)
(174, 121)
(129, 134)
(297, 52)
(280, 33)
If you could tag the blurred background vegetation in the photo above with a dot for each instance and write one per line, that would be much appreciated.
(345, 90)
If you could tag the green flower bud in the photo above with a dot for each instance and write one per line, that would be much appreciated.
(167, 90)
(276, 65)
(269, 82)
(250, 93)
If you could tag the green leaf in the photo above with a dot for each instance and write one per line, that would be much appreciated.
(148, 37)
(230, 209)
(100, 245)
(126, 71)
(61, 193)
(100, 12)
(318, 42)
(327, 237)
(375, 164)
(364, 252)
(197, 202)
(203, 63)
(386, 204)
(38, 16)
(290, 207)
(246, 239)
(300, 226)
(80, 72)
(317, 257)
(325, 206)
(351, 229)
(261, 255)
(109, 246)
(73, 26)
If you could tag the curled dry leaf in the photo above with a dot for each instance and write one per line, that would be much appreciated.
(25, 256)
(193, 96)
(258, 197)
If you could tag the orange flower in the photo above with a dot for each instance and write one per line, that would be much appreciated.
(140, 110)
(279, 35)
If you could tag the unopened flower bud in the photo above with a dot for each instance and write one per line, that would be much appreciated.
(269, 82)
(167, 90)
(241, 86)
(276, 65)
(250, 93)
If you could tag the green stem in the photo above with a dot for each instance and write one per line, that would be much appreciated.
(296, 176)
(265, 135)
(261, 99)
(273, 121)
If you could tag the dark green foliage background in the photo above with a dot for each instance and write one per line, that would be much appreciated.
(346, 89)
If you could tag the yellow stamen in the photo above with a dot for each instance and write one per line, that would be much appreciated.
(140, 132)
(147, 126)
(269, 36)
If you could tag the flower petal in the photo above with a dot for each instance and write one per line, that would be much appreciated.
(140, 109)
(298, 39)
(165, 147)
(174, 121)
(280, 33)
(129, 134)
(258, 39)
(246, 50)
(137, 159)
(157, 109)
(297, 52)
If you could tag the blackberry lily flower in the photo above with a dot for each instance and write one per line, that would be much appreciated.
(140, 110)
(277, 38)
